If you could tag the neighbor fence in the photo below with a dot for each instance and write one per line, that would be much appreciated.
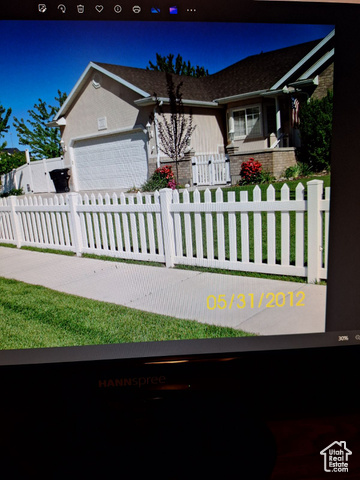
(32, 177)
(285, 236)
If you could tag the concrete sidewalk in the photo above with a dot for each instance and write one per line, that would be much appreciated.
(178, 293)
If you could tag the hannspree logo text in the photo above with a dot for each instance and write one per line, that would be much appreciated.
(132, 382)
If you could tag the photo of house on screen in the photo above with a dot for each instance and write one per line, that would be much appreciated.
(108, 123)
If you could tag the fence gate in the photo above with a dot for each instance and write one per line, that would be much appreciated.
(211, 169)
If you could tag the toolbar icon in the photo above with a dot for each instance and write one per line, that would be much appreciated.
(42, 7)
(173, 10)
(99, 8)
(117, 8)
(136, 9)
(80, 8)
(155, 10)
(62, 8)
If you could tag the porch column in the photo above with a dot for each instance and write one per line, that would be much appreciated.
(278, 118)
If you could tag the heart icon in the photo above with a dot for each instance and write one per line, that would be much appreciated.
(99, 8)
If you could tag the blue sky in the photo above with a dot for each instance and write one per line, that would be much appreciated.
(40, 57)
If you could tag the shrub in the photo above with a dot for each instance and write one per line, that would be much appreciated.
(162, 178)
(266, 177)
(13, 191)
(250, 172)
(315, 132)
(298, 170)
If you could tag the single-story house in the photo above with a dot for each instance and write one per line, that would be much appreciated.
(249, 109)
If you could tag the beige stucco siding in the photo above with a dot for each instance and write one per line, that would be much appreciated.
(112, 102)
(208, 136)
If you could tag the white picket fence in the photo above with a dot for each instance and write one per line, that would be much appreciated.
(262, 235)
(211, 169)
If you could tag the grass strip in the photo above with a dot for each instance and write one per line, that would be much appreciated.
(34, 317)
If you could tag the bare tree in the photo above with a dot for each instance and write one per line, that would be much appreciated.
(174, 130)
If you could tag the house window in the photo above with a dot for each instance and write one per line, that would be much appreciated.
(246, 122)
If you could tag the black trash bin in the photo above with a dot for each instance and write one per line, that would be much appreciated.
(60, 177)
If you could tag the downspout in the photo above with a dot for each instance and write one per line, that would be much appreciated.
(278, 118)
(157, 137)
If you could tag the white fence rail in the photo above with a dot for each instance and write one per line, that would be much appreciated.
(284, 236)
(211, 170)
(32, 177)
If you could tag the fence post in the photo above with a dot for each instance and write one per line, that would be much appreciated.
(227, 170)
(314, 195)
(16, 227)
(74, 200)
(168, 226)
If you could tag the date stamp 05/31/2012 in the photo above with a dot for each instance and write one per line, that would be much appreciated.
(250, 300)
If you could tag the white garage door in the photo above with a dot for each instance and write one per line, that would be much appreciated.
(114, 161)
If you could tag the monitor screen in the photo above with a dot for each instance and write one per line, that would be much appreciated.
(175, 180)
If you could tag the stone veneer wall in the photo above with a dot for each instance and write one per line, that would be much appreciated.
(184, 167)
(326, 83)
(275, 161)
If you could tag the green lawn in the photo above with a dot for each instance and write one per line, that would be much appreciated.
(34, 317)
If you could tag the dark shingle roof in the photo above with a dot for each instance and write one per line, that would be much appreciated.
(155, 82)
(257, 72)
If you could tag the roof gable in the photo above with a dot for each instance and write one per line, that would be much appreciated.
(303, 61)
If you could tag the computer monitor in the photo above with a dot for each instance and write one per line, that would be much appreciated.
(244, 260)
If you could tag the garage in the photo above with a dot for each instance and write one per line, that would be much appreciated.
(110, 162)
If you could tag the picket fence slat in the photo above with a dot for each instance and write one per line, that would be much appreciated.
(207, 229)
(245, 254)
(285, 228)
(257, 228)
(300, 228)
(150, 224)
(177, 227)
(6, 233)
(232, 230)
(271, 228)
(188, 228)
(220, 227)
(198, 228)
